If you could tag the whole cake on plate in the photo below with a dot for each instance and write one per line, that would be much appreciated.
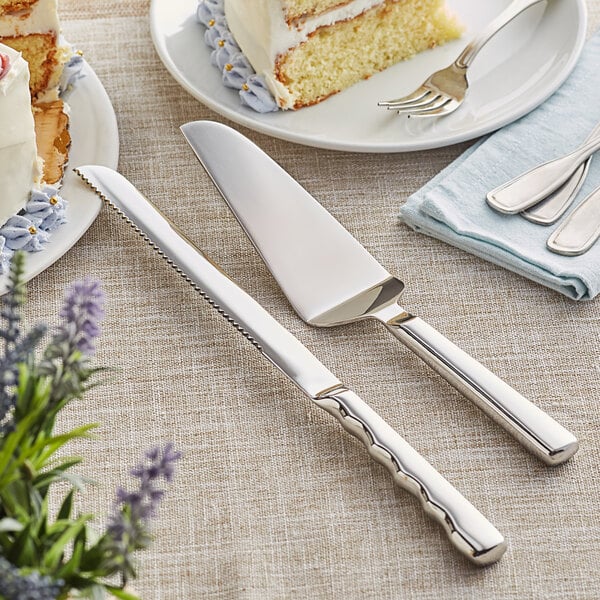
(34, 136)
(303, 51)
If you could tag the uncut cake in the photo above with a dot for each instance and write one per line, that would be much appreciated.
(34, 136)
(303, 51)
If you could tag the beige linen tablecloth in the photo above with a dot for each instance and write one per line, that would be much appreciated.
(272, 498)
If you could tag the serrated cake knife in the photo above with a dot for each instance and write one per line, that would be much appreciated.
(468, 530)
(330, 279)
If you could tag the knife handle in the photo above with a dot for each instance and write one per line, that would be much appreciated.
(468, 530)
(532, 427)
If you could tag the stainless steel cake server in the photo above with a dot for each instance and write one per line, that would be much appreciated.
(580, 230)
(330, 279)
(531, 187)
(469, 531)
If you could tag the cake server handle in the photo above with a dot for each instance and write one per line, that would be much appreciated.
(532, 427)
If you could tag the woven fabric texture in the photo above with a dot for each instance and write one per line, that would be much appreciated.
(272, 499)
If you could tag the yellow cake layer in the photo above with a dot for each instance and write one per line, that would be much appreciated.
(11, 6)
(52, 137)
(41, 52)
(297, 9)
(336, 57)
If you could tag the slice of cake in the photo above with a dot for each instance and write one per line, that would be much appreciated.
(306, 50)
(32, 28)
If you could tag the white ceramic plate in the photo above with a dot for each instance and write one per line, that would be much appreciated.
(95, 140)
(521, 67)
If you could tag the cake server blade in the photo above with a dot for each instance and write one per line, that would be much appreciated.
(330, 279)
(469, 531)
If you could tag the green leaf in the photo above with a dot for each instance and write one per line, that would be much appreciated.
(54, 555)
(88, 589)
(46, 447)
(91, 591)
(8, 448)
(43, 481)
(66, 506)
(72, 566)
(23, 551)
(33, 396)
(120, 593)
(8, 524)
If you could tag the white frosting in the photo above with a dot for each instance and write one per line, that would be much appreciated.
(42, 17)
(18, 153)
(263, 34)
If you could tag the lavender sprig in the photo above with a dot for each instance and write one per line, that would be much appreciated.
(128, 526)
(15, 586)
(67, 356)
(17, 346)
(82, 311)
(43, 558)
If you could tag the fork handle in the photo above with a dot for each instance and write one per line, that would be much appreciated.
(513, 10)
(533, 428)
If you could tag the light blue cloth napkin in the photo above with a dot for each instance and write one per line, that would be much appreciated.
(452, 206)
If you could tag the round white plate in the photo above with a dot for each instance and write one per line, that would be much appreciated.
(94, 140)
(521, 67)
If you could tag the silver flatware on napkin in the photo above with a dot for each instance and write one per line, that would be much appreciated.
(580, 230)
(531, 187)
(469, 531)
(331, 279)
(551, 208)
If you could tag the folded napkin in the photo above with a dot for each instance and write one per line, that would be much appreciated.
(452, 206)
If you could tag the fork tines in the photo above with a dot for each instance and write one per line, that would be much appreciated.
(422, 102)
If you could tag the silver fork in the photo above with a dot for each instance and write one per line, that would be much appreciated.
(445, 90)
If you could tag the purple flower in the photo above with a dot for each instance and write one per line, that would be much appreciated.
(82, 311)
(161, 463)
(14, 586)
(66, 358)
(127, 528)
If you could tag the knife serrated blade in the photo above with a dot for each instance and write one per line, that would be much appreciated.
(330, 279)
(468, 530)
